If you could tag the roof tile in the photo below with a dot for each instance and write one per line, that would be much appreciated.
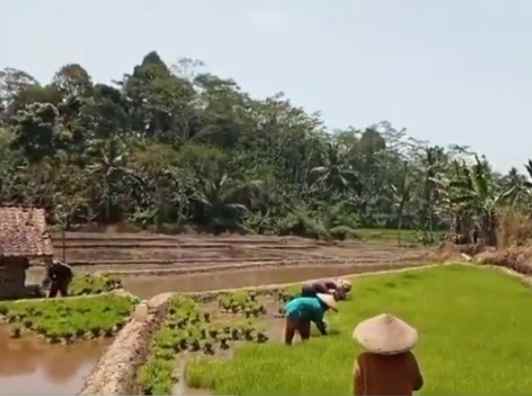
(23, 233)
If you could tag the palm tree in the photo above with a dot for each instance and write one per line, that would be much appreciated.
(335, 173)
(401, 194)
(110, 168)
(520, 186)
(223, 201)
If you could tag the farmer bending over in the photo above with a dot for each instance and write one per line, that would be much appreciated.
(337, 287)
(388, 367)
(60, 275)
(303, 310)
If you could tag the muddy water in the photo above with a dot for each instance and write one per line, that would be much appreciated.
(30, 366)
(147, 286)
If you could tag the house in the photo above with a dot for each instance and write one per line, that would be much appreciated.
(23, 238)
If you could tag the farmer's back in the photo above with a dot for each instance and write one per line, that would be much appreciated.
(387, 375)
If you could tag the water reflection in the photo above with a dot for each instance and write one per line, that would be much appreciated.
(30, 366)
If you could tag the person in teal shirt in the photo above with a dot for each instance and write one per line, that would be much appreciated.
(303, 310)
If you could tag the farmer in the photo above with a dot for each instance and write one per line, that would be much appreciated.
(59, 275)
(303, 310)
(388, 367)
(337, 287)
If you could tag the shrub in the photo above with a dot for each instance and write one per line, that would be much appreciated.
(343, 233)
(341, 214)
(300, 223)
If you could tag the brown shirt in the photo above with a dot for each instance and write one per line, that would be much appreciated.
(311, 288)
(386, 375)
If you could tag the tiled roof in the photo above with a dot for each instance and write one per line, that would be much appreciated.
(23, 233)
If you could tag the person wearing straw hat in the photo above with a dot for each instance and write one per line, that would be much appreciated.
(302, 310)
(387, 367)
(337, 287)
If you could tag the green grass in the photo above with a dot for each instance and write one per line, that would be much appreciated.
(69, 318)
(475, 339)
(84, 284)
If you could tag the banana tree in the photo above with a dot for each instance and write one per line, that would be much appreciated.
(472, 198)
(110, 168)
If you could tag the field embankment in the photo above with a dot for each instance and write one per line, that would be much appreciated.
(115, 252)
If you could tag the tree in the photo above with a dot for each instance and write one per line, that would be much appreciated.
(72, 81)
(12, 82)
(8, 167)
(224, 111)
(110, 171)
(160, 102)
(520, 187)
(221, 204)
(101, 116)
(182, 145)
(30, 95)
(473, 197)
(335, 174)
(38, 130)
(402, 192)
(433, 164)
(187, 68)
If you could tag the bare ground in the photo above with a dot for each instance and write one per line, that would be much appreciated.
(157, 253)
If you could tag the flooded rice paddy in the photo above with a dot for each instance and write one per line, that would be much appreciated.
(31, 366)
(146, 286)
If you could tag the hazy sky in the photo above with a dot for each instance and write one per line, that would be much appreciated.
(454, 71)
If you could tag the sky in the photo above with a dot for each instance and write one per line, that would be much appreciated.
(451, 72)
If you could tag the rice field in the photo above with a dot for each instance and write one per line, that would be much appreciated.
(474, 326)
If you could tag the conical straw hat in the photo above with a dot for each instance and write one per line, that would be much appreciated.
(328, 300)
(344, 283)
(385, 334)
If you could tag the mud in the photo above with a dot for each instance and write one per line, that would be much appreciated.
(30, 366)
(181, 388)
(116, 251)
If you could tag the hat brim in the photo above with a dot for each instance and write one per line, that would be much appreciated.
(328, 300)
(386, 335)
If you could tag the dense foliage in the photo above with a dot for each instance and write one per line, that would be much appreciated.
(173, 147)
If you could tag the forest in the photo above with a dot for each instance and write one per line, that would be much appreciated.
(172, 148)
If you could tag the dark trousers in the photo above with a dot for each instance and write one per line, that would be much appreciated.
(294, 325)
(61, 287)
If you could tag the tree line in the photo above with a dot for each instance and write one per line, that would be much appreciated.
(173, 146)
